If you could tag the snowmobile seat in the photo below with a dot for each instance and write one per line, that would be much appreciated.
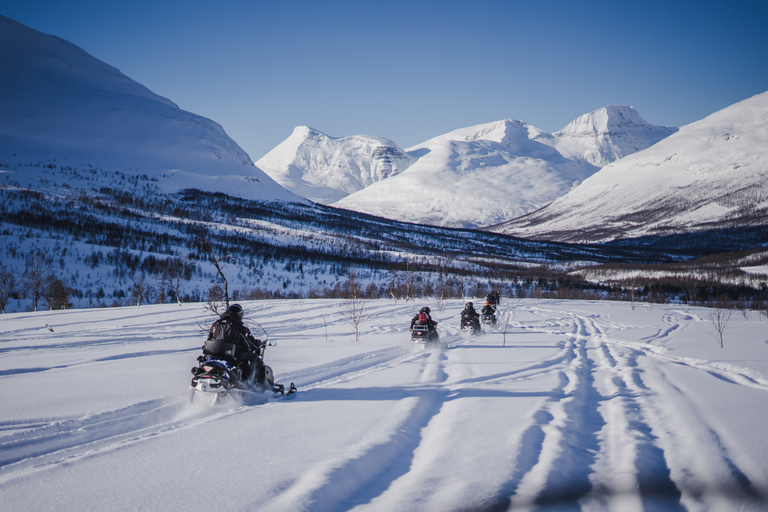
(219, 349)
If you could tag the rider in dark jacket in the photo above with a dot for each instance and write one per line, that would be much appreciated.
(248, 351)
(431, 324)
(469, 313)
(494, 298)
(489, 310)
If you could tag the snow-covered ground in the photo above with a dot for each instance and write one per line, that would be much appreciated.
(590, 405)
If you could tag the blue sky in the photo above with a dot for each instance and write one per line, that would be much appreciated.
(412, 70)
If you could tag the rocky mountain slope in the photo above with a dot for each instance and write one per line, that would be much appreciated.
(326, 169)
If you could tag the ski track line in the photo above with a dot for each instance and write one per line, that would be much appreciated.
(632, 464)
(677, 320)
(575, 433)
(82, 328)
(61, 442)
(44, 445)
(667, 468)
(545, 462)
(367, 470)
(696, 468)
(570, 436)
(351, 367)
(659, 435)
(144, 353)
(542, 444)
(728, 372)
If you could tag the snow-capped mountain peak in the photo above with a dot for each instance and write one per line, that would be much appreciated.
(325, 169)
(608, 134)
(709, 175)
(485, 174)
(610, 119)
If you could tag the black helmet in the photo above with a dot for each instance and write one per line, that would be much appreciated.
(469, 306)
(235, 311)
(425, 309)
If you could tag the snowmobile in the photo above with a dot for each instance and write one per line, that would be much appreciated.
(421, 334)
(218, 375)
(488, 319)
(470, 326)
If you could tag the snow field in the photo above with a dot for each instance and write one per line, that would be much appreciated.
(590, 405)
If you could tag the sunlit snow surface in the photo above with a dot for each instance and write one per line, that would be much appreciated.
(578, 404)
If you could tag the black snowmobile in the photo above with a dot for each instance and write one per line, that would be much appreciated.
(488, 319)
(470, 326)
(421, 334)
(218, 373)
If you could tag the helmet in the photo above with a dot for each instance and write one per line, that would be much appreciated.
(487, 303)
(425, 309)
(235, 311)
(469, 306)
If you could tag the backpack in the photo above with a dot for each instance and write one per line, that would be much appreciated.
(223, 330)
(422, 318)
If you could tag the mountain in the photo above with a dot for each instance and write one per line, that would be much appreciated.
(326, 169)
(59, 103)
(490, 173)
(710, 175)
(108, 190)
(608, 134)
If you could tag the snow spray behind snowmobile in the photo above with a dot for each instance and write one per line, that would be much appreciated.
(421, 334)
(218, 374)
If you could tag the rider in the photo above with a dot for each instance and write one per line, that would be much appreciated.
(248, 351)
(489, 310)
(469, 313)
(424, 318)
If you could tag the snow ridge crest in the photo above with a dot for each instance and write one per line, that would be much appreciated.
(325, 169)
(607, 120)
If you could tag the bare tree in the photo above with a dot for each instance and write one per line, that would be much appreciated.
(354, 304)
(409, 281)
(633, 284)
(219, 260)
(504, 321)
(393, 291)
(215, 302)
(36, 274)
(690, 286)
(141, 289)
(56, 293)
(440, 299)
(7, 285)
(744, 304)
(174, 271)
(720, 315)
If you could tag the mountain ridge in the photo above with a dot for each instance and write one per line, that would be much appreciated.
(61, 103)
(711, 174)
(489, 173)
(325, 169)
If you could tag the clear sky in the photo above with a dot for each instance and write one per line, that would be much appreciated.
(413, 70)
